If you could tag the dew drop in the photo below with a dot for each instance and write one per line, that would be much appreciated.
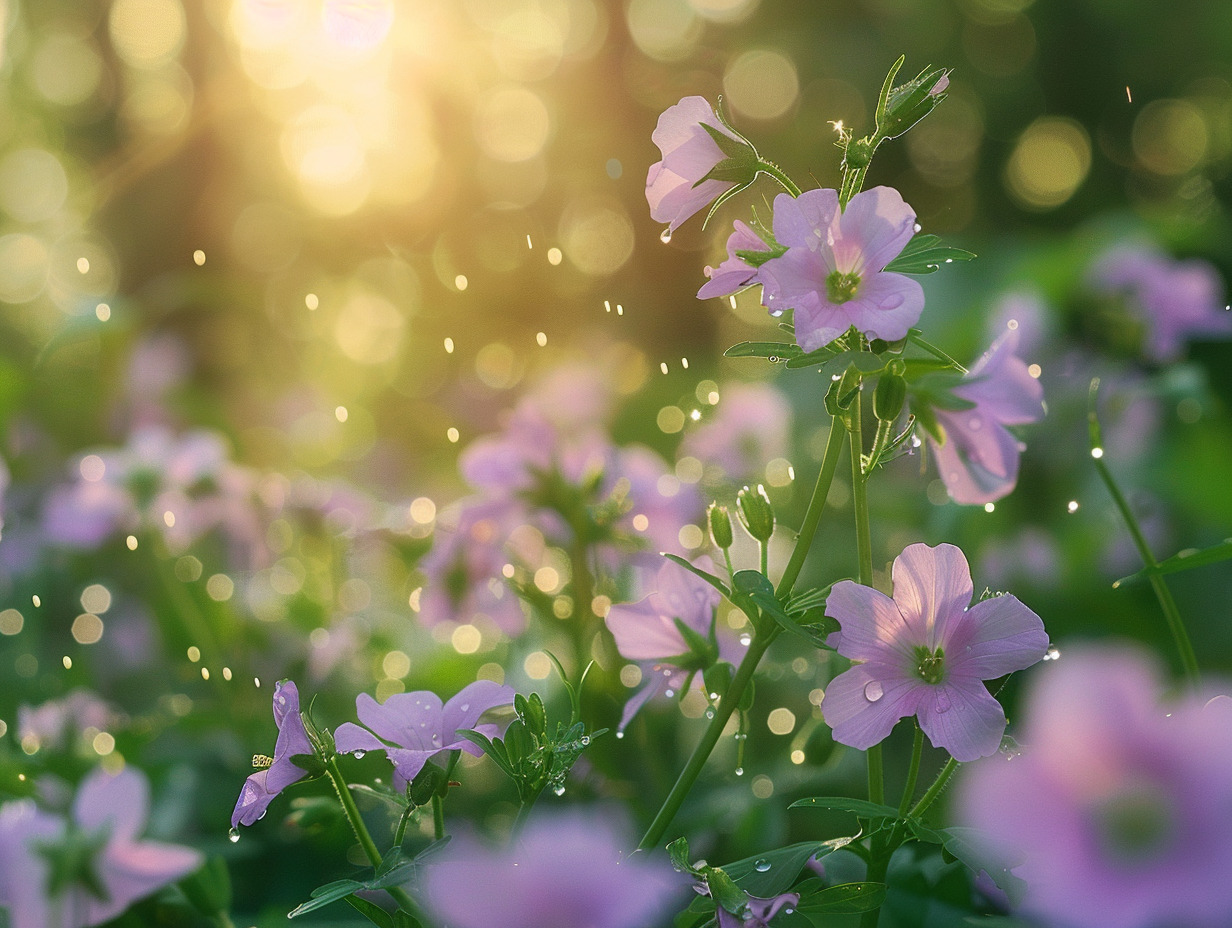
(359, 754)
(585, 740)
(709, 713)
(620, 734)
(466, 706)
(943, 702)
(233, 835)
(559, 791)
(762, 865)
(666, 235)
(739, 771)
(873, 691)
(1052, 654)
(746, 639)
(669, 693)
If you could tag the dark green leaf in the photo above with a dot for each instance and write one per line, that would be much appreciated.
(723, 889)
(973, 848)
(925, 254)
(678, 851)
(775, 871)
(494, 749)
(374, 913)
(844, 899)
(861, 807)
(326, 895)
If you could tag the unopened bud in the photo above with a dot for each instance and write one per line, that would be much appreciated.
(756, 513)
(720, 526)
(889, 396)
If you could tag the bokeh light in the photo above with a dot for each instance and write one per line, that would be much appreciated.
(1050, 161)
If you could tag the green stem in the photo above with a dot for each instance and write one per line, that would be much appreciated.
(769, 167)
(913, 772)
(859, 494)
(1172, 615)
(697, 760)
(765, 557)
(880, 441)
(935, 790)
(438, 817)
(853, 181)
(812, 515)
(365, 839)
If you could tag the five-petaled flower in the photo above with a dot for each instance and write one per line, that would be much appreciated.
(414, 727)
(925, 653)
(978, 457)
(682, 183)
(57, 873)
(833, 273)
(293, 741)
(735, 273)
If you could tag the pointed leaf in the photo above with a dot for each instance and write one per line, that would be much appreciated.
(326, 895)
(973, 848)
(925, 254)
(1182, 560)
(775, 871)
(698, 572)
(374, 913)
(771, 351)
(861, 807)
(844, 899)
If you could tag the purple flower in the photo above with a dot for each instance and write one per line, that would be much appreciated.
(978, 459)
(750, 425)
(733, 274)
(563, 872)
(1119, 805)
(1172, 300)
(58, 723)
(647, 631)
(46, 882)
(925, 653)
(414, 727)
(833, 273)
(675, 188)
(260, 788)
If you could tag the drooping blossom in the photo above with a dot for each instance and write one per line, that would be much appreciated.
(675, 188)
(646, 631)
(1120, 803)
(925, 653)
(293, 741)
(90, 867)
(1172, 300)
(750, 426)
(978, 460)
(833, 273)
(415, 727)
(735, 273)
(563, 871)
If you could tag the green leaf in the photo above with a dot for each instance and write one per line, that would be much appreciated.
(374, 913)
(326, 895)
(775, 871)
(494, 749)
(844, 899)
(723, 889)
(1182, 560)
(861, 807)
(771, 351)
(678, 851)
(698, 572)
(209, 887)
(835, 362)
(973, 848)
(925, 254)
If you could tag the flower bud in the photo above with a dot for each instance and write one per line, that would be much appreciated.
(908, 103)
(720, 526)
(889, 396)
(756, 513)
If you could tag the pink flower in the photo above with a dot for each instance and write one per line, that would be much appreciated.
(750, 426)
(925, 653)
(1172, 300)
(978, 459)
(675, 186)
(563, 872)
(1120, 803)
(261, 787)
(415, 727)
(46, 882)
(833, 273)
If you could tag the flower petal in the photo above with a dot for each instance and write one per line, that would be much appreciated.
(980, 472)
(119, 802)
(406, 719)
(872, 626)
(805, 221)
(962, 717)
(994, 637)
(472, 701)
(253, 800)
(886, 306)
(930, 584)
(875, 227)
(855, 716)
(349, 738)
(1002, 386)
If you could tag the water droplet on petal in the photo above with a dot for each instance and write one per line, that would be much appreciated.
(1052, 654)
(918, 227)
(559, 791)
(762, 865)
(466, 706)
(233, 835)
(873, 690)
(666, 235)
(943, 702)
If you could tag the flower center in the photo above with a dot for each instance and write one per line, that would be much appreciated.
(930, 665)
(1135, 824)
(842, 287)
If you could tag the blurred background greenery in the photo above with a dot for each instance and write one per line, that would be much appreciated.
(346, 233)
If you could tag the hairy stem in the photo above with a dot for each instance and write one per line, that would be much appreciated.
(769, 167)
(935, 790)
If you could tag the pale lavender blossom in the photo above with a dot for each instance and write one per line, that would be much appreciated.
(40, 851)
(464, 580)
(750, 426)
(646, 632)
(654, 503)
(735, 273)
(261, 787)
(1120, 803)
(57, 723)
(1172, 300)
(564, 871)
(675, 188)
(833, 273)
(978, 459)
(415, 727)
(926, 653)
